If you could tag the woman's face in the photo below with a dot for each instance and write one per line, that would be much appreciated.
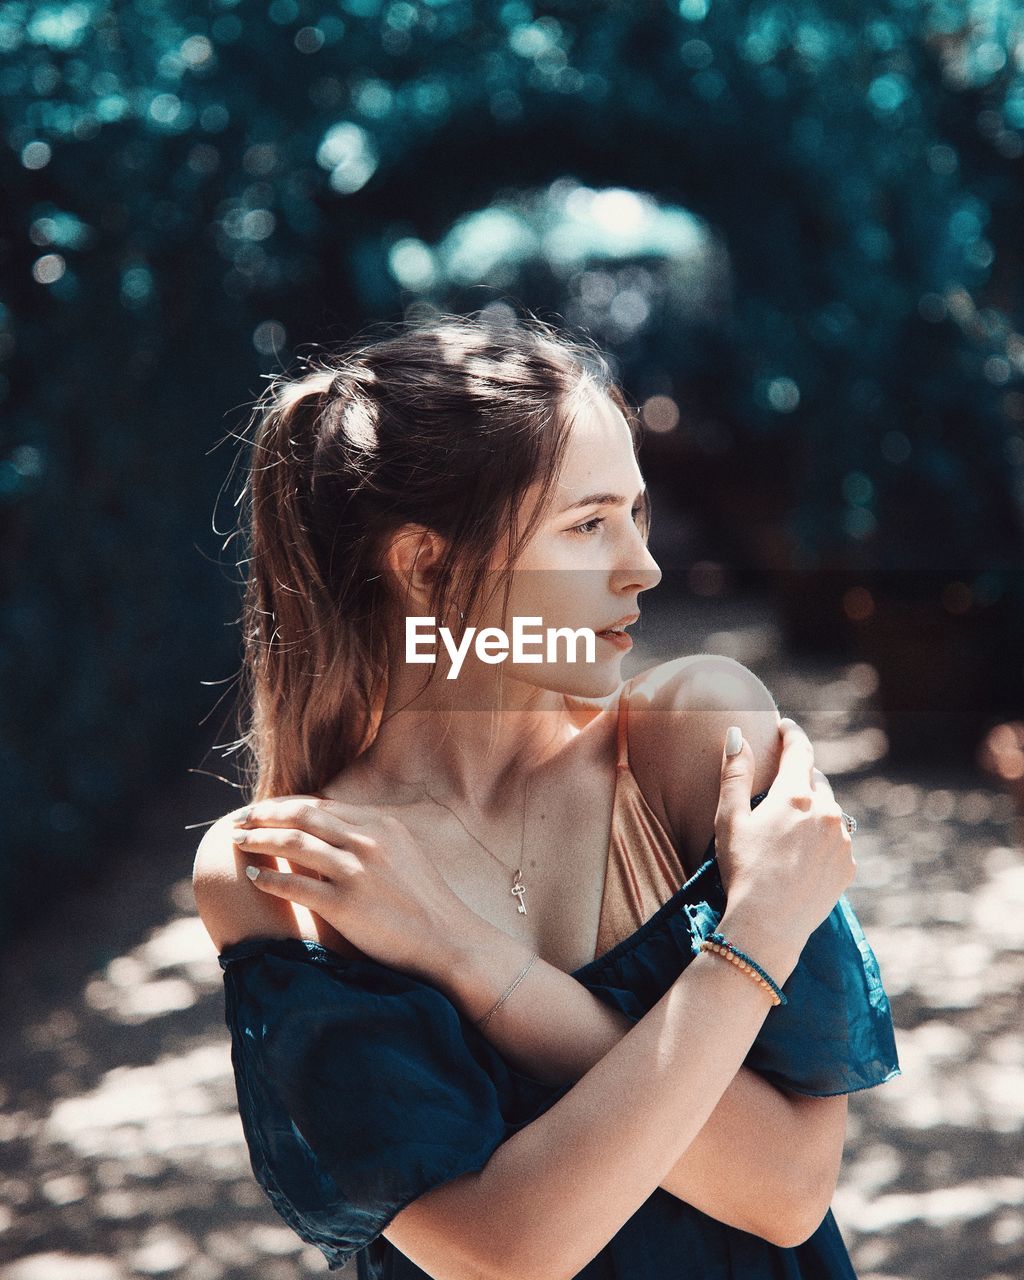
(587, 561)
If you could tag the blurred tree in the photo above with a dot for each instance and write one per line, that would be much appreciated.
(793, 224)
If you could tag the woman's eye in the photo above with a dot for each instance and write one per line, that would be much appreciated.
(588, 526)
(591, 526)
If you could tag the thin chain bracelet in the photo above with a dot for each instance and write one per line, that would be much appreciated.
(482, 1022)
(721, 946)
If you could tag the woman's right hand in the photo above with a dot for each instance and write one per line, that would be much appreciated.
(360, 871)
(791, 858)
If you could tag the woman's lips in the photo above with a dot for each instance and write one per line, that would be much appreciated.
(619, 639)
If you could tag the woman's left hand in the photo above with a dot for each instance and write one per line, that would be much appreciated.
(362, 872)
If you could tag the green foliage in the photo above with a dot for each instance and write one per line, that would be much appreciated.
(799, 220)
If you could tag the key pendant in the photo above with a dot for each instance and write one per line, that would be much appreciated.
(518, 888)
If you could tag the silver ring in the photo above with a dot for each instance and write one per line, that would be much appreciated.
(851, 823)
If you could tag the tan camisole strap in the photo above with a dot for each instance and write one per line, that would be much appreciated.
(643, 869)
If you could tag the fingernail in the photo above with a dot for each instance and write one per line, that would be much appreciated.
(243, 815)
(252, 872)
(239, 837)
(733, 741)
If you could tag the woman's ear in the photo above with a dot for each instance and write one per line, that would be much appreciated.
(414, 557)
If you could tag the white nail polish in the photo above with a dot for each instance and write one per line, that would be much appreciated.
(733, 741)
(252, 872)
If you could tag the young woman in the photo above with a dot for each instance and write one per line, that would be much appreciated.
(542, 988)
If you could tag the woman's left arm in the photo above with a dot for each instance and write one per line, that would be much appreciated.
(767, 1160)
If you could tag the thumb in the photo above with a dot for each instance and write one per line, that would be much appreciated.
(737, 773)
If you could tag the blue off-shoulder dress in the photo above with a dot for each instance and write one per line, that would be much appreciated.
(360, 1088)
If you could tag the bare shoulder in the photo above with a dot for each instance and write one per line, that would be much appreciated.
(230, 906)
(679, 713)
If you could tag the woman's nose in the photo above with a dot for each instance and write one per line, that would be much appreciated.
(640, 569)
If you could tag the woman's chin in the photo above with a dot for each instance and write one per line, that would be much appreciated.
(595, 680)
(591, 680)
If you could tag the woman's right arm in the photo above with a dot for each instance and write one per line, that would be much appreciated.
(597, 1154)
(593, 1158)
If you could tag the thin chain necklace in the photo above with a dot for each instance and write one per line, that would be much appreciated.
(518, 885)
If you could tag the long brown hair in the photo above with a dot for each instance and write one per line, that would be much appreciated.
(443, 422)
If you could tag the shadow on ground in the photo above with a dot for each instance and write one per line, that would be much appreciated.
(121, 1152)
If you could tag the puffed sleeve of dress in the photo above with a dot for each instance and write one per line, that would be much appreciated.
(835, 1033)
(359, 1088)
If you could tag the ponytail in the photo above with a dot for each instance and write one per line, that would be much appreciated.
(312, 682)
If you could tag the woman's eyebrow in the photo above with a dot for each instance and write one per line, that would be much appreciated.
(601, 500)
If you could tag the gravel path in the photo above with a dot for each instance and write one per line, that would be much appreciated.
(121, 1153)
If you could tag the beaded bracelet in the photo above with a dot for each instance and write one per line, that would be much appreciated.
(482, 1022)
(714, 942)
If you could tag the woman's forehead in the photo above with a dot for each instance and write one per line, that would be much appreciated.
(599, 453)
(599, 456)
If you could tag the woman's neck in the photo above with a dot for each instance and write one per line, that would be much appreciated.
(469, 745)
(478, 759)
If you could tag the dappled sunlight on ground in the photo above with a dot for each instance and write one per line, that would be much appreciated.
(121, 1151)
